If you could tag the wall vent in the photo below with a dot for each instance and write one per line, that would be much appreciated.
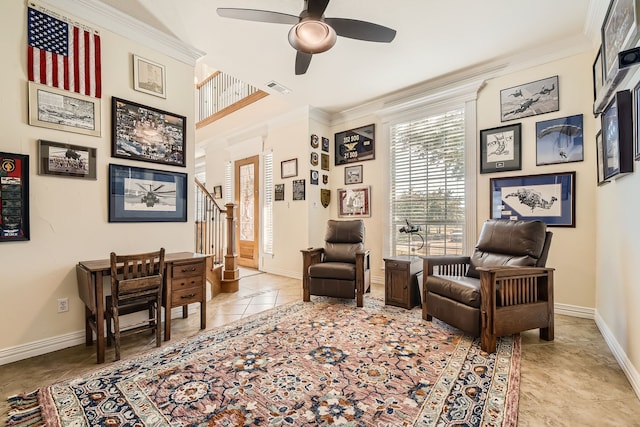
(277, 86)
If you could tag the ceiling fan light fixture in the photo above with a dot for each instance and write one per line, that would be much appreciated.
(312, 36)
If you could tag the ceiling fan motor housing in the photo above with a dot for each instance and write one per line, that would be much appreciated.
(312, 35)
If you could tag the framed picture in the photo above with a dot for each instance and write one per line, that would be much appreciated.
(62, 110)
(146, 195)
(636, 122)
(354, 202)
(60, 159)
(315, 142)
(217, 192)
(600, 159)
(324, 161)
(559, 140)
(355, 145)
(550, 198)
(617, 135)
(278, 191)
(598, 74)
(289, 168)
(314, 177)
(500, 149)
(298, 189)
(530, 99)
(147, 134)
(619, 31)
(325, 144)
(14, 194)
(149, 77)
(353, 175)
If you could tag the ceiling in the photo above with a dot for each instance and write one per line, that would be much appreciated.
(434, 38)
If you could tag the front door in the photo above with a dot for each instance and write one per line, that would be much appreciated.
(247, 194)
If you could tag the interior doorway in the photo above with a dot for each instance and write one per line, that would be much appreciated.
(247, 184)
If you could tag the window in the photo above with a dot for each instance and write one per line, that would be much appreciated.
(427, 184)
(267, 205)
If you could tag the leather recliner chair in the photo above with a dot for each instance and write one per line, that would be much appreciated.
(501, 289)
(341, 269)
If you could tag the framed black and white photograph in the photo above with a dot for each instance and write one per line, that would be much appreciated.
(598, 74)
(147, 134)
(289, 168)
(617, 135)
(278, 192)
(324, 161)
(298, 189)
(549, 197)
(355, 145)
(559, 140)
(600, 159)
(500, 149)
(62, 110)
(149, 77)
(530, 99)
(14, 188)
(217, 192)
(619, 32)
(58, 159)
(353, 174)
(354, 202)
(146, 195)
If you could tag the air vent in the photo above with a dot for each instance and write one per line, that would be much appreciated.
(277, 86)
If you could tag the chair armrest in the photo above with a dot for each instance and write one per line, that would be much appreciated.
(454, 265)
(363, 257)
(311, 256)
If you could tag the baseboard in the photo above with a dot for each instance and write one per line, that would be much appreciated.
(37, 348)
(620, 355)
(574, 311)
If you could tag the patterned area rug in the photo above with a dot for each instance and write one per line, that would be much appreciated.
(303, 364)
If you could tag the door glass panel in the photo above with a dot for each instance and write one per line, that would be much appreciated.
(246, 202)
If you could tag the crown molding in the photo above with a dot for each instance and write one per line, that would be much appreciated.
(593, 23)
(113, 20)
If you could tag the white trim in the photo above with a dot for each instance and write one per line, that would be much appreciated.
(124, 25)
(620, 355)
(37, 348)
(574, 311)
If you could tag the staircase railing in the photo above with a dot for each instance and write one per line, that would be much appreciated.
(221, 94)
(210, 233)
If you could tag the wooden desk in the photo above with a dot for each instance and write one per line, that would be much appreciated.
(184, 283)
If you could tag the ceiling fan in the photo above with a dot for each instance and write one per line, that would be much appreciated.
(312, 32)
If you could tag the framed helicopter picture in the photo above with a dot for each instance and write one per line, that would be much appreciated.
(146, 195)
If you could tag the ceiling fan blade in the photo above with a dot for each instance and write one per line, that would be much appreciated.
(361, 30)
(258, 15)
(316, 8)
(302, 62)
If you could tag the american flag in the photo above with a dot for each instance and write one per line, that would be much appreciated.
(63, 55)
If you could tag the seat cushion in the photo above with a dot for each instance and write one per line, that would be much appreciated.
(465, 290)
(333, 270)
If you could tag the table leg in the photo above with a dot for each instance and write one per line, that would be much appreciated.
(203, 313)
(88, 331)
(100, 348)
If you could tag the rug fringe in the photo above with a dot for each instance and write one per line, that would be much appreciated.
(24, 410)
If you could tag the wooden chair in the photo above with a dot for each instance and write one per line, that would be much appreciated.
(341, 269)
(136, 285)
(501, 289)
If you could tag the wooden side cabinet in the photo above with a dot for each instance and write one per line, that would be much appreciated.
(185, 284)
(400, 282)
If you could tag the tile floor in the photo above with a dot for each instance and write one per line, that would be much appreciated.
(572, 381)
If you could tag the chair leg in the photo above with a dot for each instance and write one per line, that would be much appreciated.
(116, 327)
(158, 311)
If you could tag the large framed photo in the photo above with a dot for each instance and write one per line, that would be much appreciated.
(619, 31)
(530, 99)
(62, 110)
(600, 159)
(355, 145)
(149, 77)
(548, 197)
(289, 168)
(60, 159)
(147, 134)
(14, 194)
(500, 149)
(146, 195)
(559, 140)
(354, 202)
(636, 122)
(298, 189)
(617, 135)
(598, 74)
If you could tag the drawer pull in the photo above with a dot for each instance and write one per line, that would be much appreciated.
(187, 296)
(184, 270)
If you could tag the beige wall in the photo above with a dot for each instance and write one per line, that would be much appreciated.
(69, 216)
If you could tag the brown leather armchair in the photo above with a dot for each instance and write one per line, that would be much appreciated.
(501, 289)
(341, 269)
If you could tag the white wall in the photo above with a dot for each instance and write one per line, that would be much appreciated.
(68, 216)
